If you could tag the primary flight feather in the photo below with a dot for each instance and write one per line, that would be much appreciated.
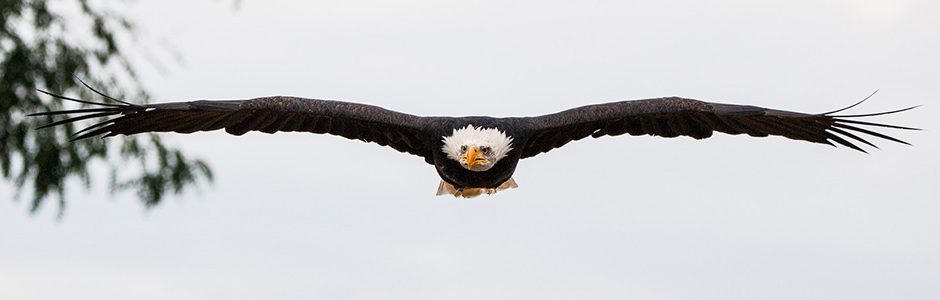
(474, 155)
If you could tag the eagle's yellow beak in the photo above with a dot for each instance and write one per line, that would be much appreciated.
(473, 156)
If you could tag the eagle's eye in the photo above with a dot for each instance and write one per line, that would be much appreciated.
(485, 150)
(463, 148)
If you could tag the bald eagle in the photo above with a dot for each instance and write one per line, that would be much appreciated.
(473, 155)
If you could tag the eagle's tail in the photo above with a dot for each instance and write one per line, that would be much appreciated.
(449, 189)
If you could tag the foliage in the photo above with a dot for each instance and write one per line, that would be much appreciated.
(38, 50)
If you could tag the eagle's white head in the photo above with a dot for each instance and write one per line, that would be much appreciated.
(476, 148)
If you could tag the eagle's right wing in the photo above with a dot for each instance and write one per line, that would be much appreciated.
(368, 123)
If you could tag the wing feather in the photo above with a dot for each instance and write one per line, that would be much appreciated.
(673, 116)
(400, 131)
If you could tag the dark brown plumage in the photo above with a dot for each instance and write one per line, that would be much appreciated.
(422, 136)
(672, 117)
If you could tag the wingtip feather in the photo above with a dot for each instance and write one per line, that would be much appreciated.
(853, 105)
(100, 93)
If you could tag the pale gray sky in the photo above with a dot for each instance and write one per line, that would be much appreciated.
(300, 216)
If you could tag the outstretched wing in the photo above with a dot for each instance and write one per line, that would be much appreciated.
(403, 132)
(671, 117)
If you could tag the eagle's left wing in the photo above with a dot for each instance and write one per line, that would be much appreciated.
(674, 116)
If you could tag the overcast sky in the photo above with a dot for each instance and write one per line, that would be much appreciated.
(301, 216)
